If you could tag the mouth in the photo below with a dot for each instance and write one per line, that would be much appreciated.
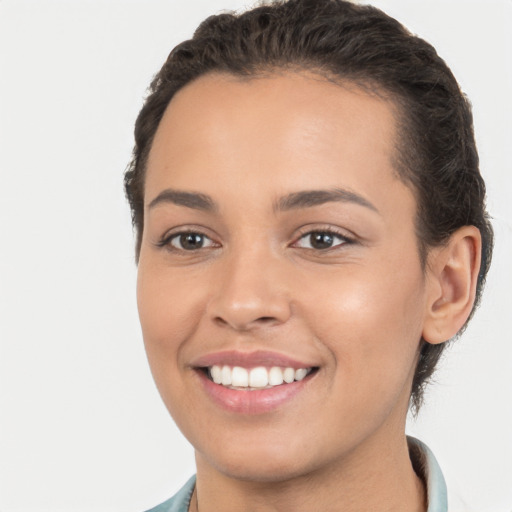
(253, 383)
(256, 378)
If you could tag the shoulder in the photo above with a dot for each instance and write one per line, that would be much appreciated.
(180, 501)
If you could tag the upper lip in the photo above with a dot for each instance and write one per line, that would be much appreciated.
(249, 360)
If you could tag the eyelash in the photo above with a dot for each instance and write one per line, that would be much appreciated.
(345, 240)
(167, 240)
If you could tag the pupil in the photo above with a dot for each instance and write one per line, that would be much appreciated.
(321, 240)
(191, 241)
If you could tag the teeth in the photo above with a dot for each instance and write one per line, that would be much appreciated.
(289, 375)
(300, 373)
(216, 373)
(239, 377)
(226, 376)
(256, 378)
(275, 376)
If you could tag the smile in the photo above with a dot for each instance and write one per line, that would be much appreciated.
(256, 382)
(260, 377)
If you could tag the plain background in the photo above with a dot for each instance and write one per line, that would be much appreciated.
(81, 425)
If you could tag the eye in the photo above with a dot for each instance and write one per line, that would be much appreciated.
(321, 240)
(188, 241)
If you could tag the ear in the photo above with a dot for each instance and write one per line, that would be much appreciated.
(452, 274)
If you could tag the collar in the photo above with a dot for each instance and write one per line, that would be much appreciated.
(426, 465)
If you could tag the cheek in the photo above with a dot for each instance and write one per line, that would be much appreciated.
(168, 320)
(167, 315)
(370, 317)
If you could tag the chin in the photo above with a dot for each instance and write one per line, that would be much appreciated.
(256, 469)
(263, 461)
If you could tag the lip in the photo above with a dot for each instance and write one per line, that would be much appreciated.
(255, 401)
(252, 402)
(250, 360)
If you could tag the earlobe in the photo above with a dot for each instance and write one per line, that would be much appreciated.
(452, 274)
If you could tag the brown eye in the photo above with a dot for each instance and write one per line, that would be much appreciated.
(321, 240)
(190, 241)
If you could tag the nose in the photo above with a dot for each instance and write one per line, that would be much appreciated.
(251, 292)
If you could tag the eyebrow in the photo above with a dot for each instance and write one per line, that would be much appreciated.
(192, 200)
(310, 198)
(293, 201)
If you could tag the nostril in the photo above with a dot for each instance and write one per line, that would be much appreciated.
(219, 320)
(245, 325)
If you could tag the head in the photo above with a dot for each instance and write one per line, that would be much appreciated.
(435, 153)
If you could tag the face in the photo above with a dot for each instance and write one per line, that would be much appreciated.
(280, 289)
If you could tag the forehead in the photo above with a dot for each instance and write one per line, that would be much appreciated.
(294, 130)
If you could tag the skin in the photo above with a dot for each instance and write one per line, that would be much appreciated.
(356, 310)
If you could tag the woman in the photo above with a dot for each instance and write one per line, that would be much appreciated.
(311, 229)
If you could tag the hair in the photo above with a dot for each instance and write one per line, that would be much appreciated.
(346, 43)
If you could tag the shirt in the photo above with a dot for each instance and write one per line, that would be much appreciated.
(423, 460)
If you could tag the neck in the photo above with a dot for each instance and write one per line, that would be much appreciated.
(370, 478)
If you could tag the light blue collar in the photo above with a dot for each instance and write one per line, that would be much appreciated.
(180, 501)
(434, 480)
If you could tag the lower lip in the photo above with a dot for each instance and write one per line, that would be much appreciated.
(256, 401)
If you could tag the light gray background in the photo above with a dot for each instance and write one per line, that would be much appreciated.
(81, 425)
